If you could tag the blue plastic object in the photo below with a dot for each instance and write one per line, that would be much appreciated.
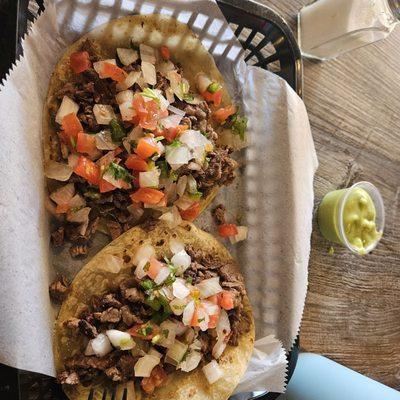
(318, 378)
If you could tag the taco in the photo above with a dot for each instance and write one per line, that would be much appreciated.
(132, 127)
(163, 312)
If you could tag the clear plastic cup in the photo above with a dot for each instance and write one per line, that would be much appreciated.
(331, 213)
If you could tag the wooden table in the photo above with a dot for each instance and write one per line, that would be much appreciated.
(352, 313)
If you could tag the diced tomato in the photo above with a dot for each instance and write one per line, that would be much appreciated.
(213, 321)
(146, 147)
(80, 61)
(86, 143)
(136, 163)
(139, 105)
(105, 186)
(165, 53)
(195, 318)
(226, 300)
(156, 379)
(223, 113)
(153, 114)
(70, 128)
(114, 72)
(154, 268)
(226, 230)
(88, 170)
(135, 120)
(144, 331)
(171, 133)
(213, 299)
(191, 213)
(117, 151)
(215, 98)
(147, 195)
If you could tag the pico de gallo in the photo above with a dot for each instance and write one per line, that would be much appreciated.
(177, 312)
(133, 140)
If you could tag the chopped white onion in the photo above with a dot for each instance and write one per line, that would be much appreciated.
(181, 185)
(104, 141)
(241, 235)
(177, 156)
(202, 82)
(64, 194)
(202, 318)
(58, 171)
(172, 217)
(141, 81)
(194, 166)
(98, 66)
(127, 56)
(77, 202)
(184, 202)
(111, 263)
(68, 106)
(176, 111)
(127, 111)
(129, 81)
(179, 289)
(154, 352)
(149, 73)
(177, 351)
(178, 305)
(194, 139)
(223, 327)
(162, 275)
(164, 66)
(150, 178)
(212, 372)
(161, 149)
(124, 96)
(135, 134)
(181, 261)
(191, 361)
(89, 349)
(101, 345)
(120, 340)
(79, 216)
(219, 348)
(164, 103)
(170, 95)
(176, 245)
(145, 365)
(209, 287)
(210, 308)
(188, 313)
(147, 53)
(196, 344)
(110, 178)
(175, 80)
(73, 160)
(141, 258)
(103, 113)
(196, 99)
(191, 184)
(166, 291)
(171, 121)
(168, 329)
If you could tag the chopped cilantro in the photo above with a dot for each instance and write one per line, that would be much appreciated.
(238, 125)
(153, 302)
(173, 175)
(170, 280)
(159, 138)
(146, 267)
(146, 330)
(119, 172)
(156, 339)
(201, 320)
(163, 167)
(165, 332)
(157, 318)
(176, 143)
(73, 142)
(195, 196)
(147, 284)
(188, 97)
(117, 131)
(189, 279)
(151, 94)
(213, 87)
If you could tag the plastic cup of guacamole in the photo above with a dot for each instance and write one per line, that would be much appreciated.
(353, 217)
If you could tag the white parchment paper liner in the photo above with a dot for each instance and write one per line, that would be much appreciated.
(274, 193)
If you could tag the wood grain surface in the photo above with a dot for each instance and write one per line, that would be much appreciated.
(352, 313)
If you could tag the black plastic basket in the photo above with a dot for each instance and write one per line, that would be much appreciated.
(268, 43)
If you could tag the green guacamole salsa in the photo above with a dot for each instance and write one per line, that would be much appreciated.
(358, 218)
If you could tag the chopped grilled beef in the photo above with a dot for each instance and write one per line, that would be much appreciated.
(110, 300)
(100, 363)
(72, 324)
(114, 374)
(68, 378)
(87, 329)
(162, 82)
(126, 365)
(78, 250)
(129, 318)
(205, 340)
(59, 289)
(114, 228)
(219, 172)
(196, 111)
(239, 324)
(149, 224)
(219, 214)
(134, 295)
(92, 48)
(57, 237)
(112, 315)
